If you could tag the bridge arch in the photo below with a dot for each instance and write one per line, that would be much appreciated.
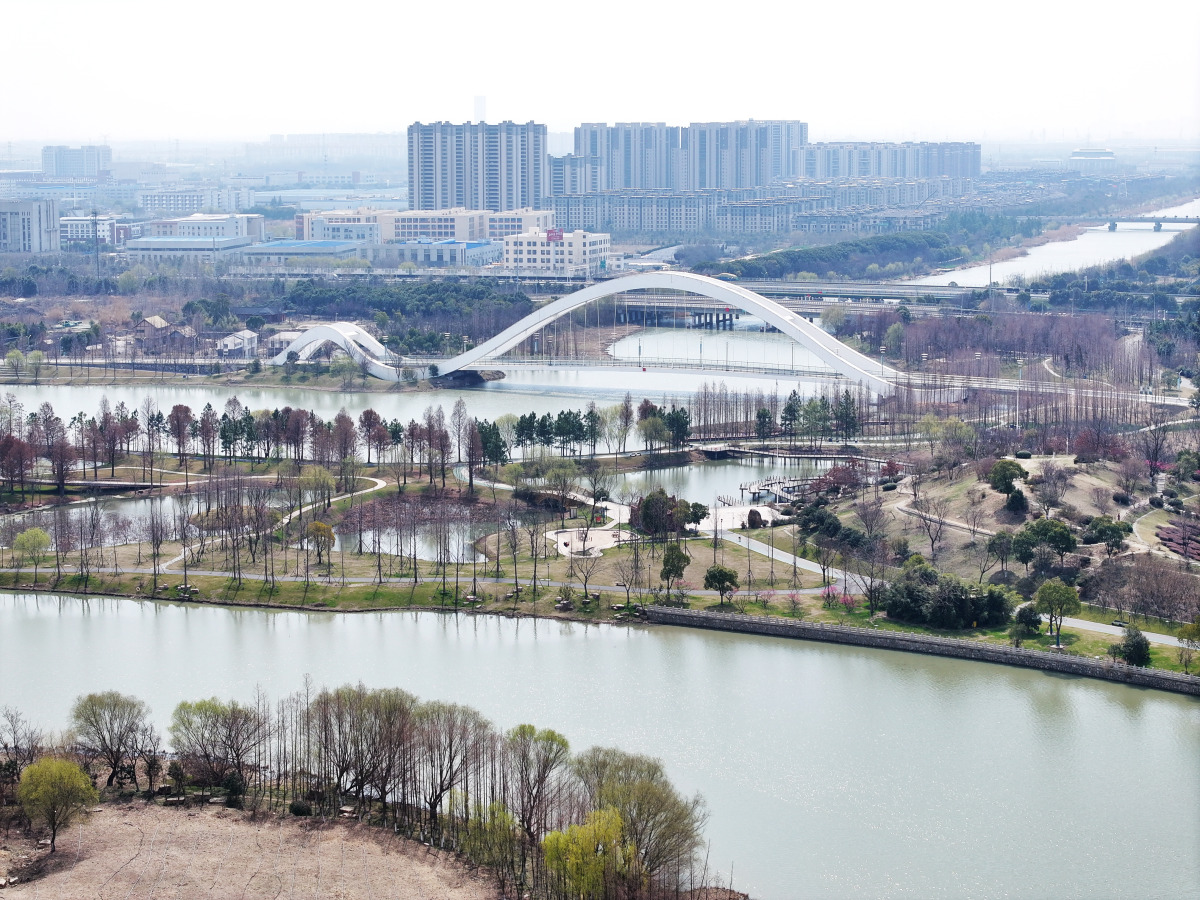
(361, 346)
(832, 352)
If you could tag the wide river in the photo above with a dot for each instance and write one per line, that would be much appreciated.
(829, 771)
(1096, 246)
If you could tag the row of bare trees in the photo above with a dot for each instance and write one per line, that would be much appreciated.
(517, 801)
(116, 433)
(1145, 585)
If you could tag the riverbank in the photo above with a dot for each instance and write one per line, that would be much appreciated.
(1023, 246)
(928, 644)
(268, 377)
(497, 598)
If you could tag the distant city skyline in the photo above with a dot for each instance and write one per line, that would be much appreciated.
(936, 71)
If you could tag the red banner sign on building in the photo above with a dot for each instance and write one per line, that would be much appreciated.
(554, 234)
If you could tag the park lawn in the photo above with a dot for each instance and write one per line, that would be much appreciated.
(319, 593)
(700, 550)
(1106, 617)
(1145, 528)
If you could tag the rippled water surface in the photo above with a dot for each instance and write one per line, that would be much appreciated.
(829, 771)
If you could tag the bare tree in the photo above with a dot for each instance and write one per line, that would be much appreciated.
(873, 516)
(975, 513)
(1131, 472)
(629, 569)
(826, 553)
(870, 565)
(984, 555)
(931, 519)
(1055, 481)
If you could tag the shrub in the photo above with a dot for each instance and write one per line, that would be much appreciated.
(889, 487)
(300, 808)
(1168, 492)
(1122, 498)
(1003, 474)
(1156, 502)
(754, 519)
(1029, 617)
(1023, 454)
(1135, 649)
(1017, 502)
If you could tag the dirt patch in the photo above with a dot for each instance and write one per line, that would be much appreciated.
(140, 851)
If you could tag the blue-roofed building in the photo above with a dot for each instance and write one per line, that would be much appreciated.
(276, 253)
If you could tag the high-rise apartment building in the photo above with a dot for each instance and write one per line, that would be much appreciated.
(734, 155)
(76, 162)
(29, 226)
(700, 156)
(890, 160)
(477, 166)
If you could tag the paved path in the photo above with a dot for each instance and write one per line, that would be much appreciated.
(1165, 640)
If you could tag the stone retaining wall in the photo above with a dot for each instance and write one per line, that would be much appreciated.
(921, 643)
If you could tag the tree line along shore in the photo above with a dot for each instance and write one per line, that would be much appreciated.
(537, 818)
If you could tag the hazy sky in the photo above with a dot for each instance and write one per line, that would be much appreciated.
(217, 70)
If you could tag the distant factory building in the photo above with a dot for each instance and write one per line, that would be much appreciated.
(1092, 162)
(440, 254)
(277, 253)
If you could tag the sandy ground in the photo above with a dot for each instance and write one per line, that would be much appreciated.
(138, 852)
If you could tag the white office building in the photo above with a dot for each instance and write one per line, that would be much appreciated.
(193, 200)
(555, 252)
(87, 230)
(519, 221)
(29, 226)
(209, 225)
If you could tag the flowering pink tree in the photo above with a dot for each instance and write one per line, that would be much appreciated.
(682, 588)
(829, 596)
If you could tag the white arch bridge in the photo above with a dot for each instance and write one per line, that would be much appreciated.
(832, 353)
(382, 363)
(839, 359)
(361, 346)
